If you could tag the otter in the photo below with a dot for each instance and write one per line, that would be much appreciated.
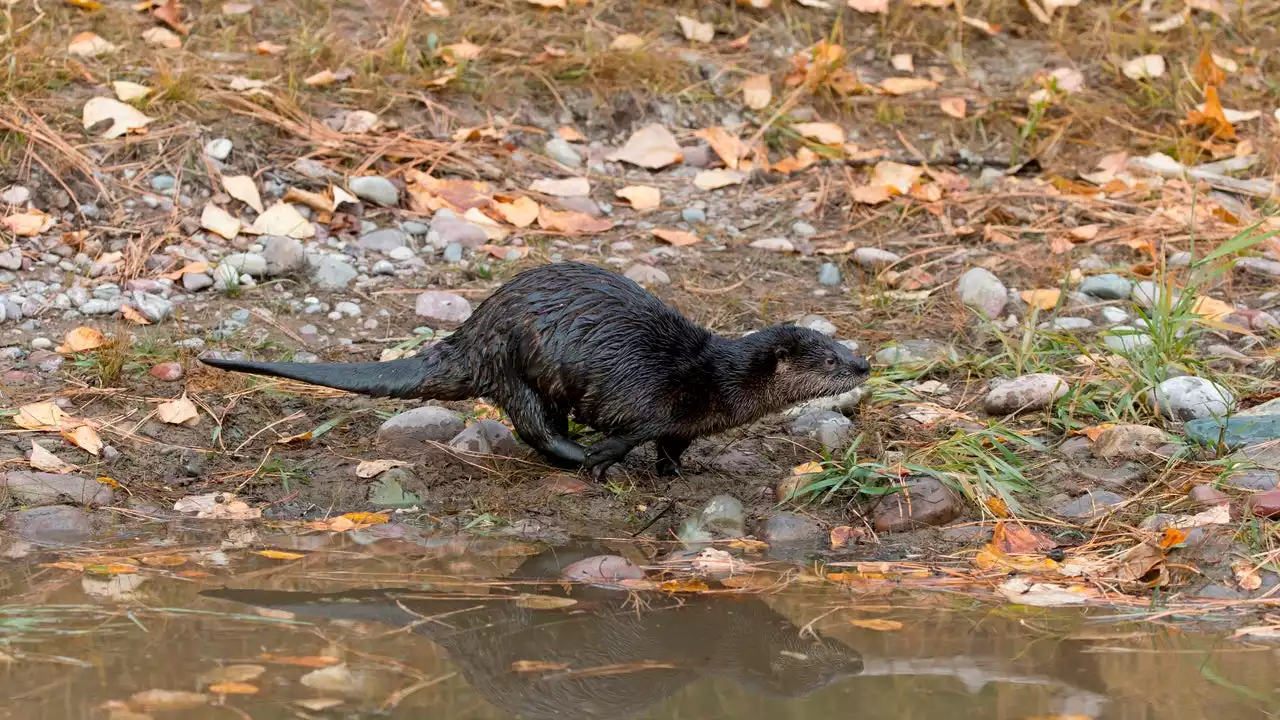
(572, 338)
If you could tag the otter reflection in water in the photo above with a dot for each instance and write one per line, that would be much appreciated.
(741, 639)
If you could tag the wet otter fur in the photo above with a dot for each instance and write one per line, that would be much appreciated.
(573, 338)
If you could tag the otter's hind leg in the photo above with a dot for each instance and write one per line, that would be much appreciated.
(543, 429)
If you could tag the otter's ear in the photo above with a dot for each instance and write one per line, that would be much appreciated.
(781, 353)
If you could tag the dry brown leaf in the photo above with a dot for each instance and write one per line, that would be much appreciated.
(164, 37)
(177, 412)
(1138, 561)
(233, 688)
(46, 461)
(626, 42)
(678, 238)
(878, 7)
(906, 86)
(823, 132)
(652, 147)
(129, 91)
(169, 12)
(321, 79)
(85, 438)
(1212, 116)
(1045, 299)
(714, 179)
(1019, 539)
(374, 468)
(132, 314)
(242, 188)
(757, 92)
(519, 211)
(1211, 308)
(803, 158)
(566, 187)
(315, 201)
(641, 197)
(464, 51)
(193, 268)
(282, 219)
(695, 30)
(428, 194)
(219, 221)
(1085, 233)
(877, 624)
(89, 45)
(896, 176)
(28, 224)
(544, 602)
(570, 134)
(493, 230)
(728, 146)
(870, 194)
(266, 47)
(1147, 67)
(571, 222)
(124, 118)
(1247, 576)
(954, 107)
(82, 339)
(41, 416)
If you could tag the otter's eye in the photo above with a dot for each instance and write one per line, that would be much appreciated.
(831, 361)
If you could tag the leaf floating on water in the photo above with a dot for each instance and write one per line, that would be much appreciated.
(544, 602)
(177, 412)
(877, 624)
(367, 518)
(167, 700)
(279, 554)
(683, 586)
(309, 661)
(233, 688)
(1024, 592)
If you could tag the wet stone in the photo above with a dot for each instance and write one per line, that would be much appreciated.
(54, 525)
(923, 502)
(41, 488)
(486, 437)
(722, 517)
(1265, 504)
(788, 528)
(603, 569)
(1257, 479)
(1107, 287)
(1091, 504)
(829, 428)
(1190, 398)
(389, 492)
(411, 431)
(1027, 392)
(1242, 429)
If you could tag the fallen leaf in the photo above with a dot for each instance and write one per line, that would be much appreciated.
(896, 176)
(164, 561)
(219, 221)
(548, 3)
(1024, 592)
(233, 673)
(652, 146)
(129, 91)
(520, 211)
(88, 5)
(841, 535)
(757, 92)
(1147, 67)
(1018, 539)
(232, 9)
(567, 187)
(683, 585)
(571, 221)
(28, 224)
(527, 666)
(725, 144)
(906, 86)
(428, 194)
(954, 107)
(1172, 537)
(714, 179)
(89, 45)
(164, 37)
(877, 624)
(809, 468)
(1211, 116)
(374, 468)
(1138, 561)
(694, 30)
(310, 661)
(1084, 233)
(148, 700)
(1247, 576)
(321, 79)
(42, 459)
(823, 132)
(1211, 308)
(41, 416)
(266, 47)
(870, 194)
(177, 412)
(85, 438)
(569, 134)
(282, 219)
(242, 188)
(878, 7)
(194, 268)
(464, 51)
(233, 688)
(678, 238)
(279, 554)
(544, 602)
(641, 197)
(358, 122)
(1225, 64)
(626, 42)
(367, 518)
(1045, 299)
(82, 339)
(169, 12)
(493, 230)
(124, 118)
(803, 158)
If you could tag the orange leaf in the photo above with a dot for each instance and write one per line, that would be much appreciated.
(83, 339)
(683, 585)
(86, 438)
(279, 554)
(132, 315)
(678, 238)
(1172, 538)
(233, 688)
(571, 222)
(1045, 299)
(876, 624)
(1212, 116)
(998, 507)
(1094, 432)
(1018, 539)
(170, 13)
(1207, 70)
(367, 518)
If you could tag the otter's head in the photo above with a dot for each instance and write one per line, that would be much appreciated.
(804, 364)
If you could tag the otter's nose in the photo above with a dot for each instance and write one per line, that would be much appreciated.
(861, 365)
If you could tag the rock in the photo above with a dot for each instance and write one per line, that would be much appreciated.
(334, 273)
(100, 307)
(875, 258)
(846, 403)
(375, 189)
(411, 431)
(219, 149)
(981, 290)
(284, 255)
(1189, 398)
(788, 528)
(774, 244)
(829, 274)
(453, 230)
(1214, 591)
(602, 569)
(1107, 287)
(1124, 339)
(1028, 392)
(452, 253)
(1114, 315)
(486, 437)
(384, 267)
(167, 372)
(643, 274)
(15, 195)
(1242, 429)
(923, 502)
(911, 352)
(689, 215)
(154, 307)
(1208, 495)
(1089, 505)
(162, 183)
(45, 361)
(802, 229)
(1123, 474)
(384, 240)
(442, 306)
(1259, 266)
(1128, 441)
(1067, 324)
(817, 323)
(347, 309)
(1257, 479)
(401, 253)
(1148, 294)
(561, 151)
(41, 488)
(389, 490)
(1265, 504)
(827, 427)
(722, 517)
(11, 259)
(246, 263)
(54, 525)
(195, 282)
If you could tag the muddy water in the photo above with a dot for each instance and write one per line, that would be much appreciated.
(390, 623)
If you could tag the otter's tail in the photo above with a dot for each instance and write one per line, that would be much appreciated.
(437, 374)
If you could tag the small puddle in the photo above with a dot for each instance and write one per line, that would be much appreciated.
(386, 623)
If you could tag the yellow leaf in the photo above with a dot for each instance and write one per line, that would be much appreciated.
(809, 468)
(233, 688)
(131, 314)
(109, 482)
(641, 197)
(367, 518)
(520, 211)
(242, 188)
(876, 624)
(823, 132)
(953, 106)
(27, 224)
(89, 5)
(1211, 308)
(279, 554)
(163, 560)
(757, 92)
(41, 416)
(111, 569)
(177, 412)
(678, 238)
(1045, 299)
(683, 585)
(1212, 116)
(544, 602)
(83, 339)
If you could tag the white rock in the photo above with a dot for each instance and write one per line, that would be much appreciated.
(1027, 392)
(774, 244)
(981, 290)
(1189, 398)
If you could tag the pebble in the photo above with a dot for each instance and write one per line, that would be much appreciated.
(723, 517)
(411, 431)
(1114, 315)
(1265, 504)
(981, 290)
(923, 502)
(168, 372)
(413, 227)
(774, 244)
(218, 149)
(788, 528)
(604, 570)
(55, 525)
(830, 428)
(384, 267)
(1259, 266)
(817, 323)
(251, 264)
(913, 352)
(1148, 294)
(1067, 324)
(452, 230)
(486, 437)
(41, 343)
(647, 275)
(561, 151)
(803, 229)
(163, 183)
(875, 257)
(15, 195)
(1027, 392)
(1257, 479)
(453, 253)
(41, 488)
(349, 309)
(154, 307)
(1107, 287)
(829, 274)
(442, 306)
(100, 307)
(333, 272)
(1126, 339)
(401, 254)
(1091, 504)
(1189, 398)
(11, 259)
(384, 240)
(375, 189)
(691, 215)
(1128, 441)
(1207, 495)
(284, 255)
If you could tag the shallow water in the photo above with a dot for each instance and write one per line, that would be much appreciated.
(388, 624)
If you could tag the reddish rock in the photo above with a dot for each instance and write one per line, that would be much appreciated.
(1208, 495)
(168, 372)
(565, 484)
(1266, 504)
(922, 502)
